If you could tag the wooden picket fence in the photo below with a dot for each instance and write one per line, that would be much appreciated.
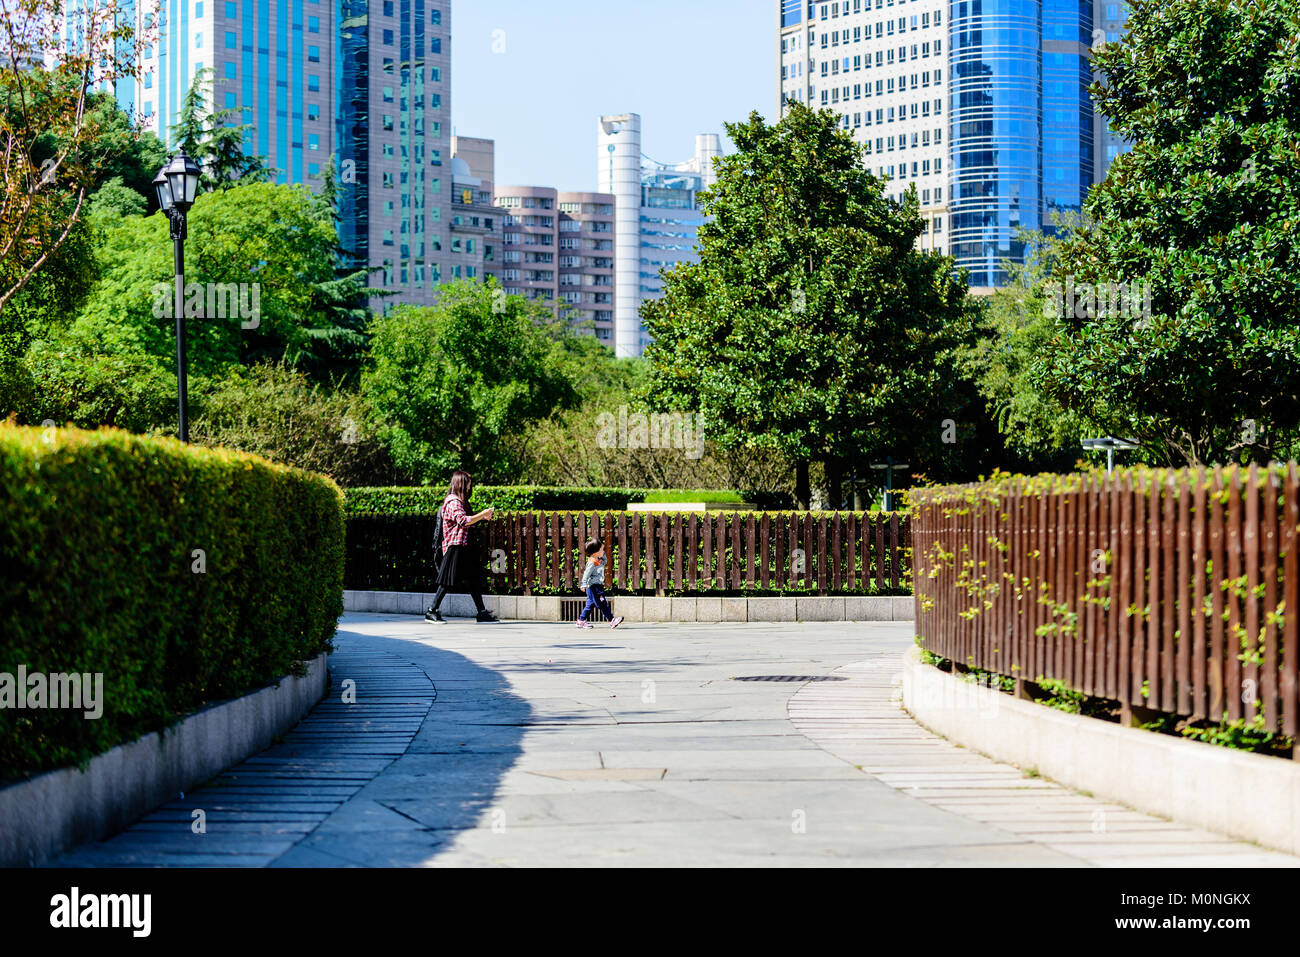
(1168, 590)
(649, 553)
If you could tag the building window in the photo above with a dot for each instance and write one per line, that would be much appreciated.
(230, 101)
(435, 17)
(313, 24)
(313, 54)
(232, 10)
(232, 41)
(313, 111)
(313, 82)
(388, 37)
(313, 141)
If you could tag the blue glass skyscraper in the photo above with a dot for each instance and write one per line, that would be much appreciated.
(1008, 133)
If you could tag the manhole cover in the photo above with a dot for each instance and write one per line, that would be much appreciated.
(791, 678)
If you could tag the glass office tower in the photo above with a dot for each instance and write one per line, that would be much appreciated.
(1009, 137)
(364, 84)
(1022, 124)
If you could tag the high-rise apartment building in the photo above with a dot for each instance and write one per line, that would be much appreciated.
(558, 247)
(883, 66)
(475, 220)
(365, 83)
(657, 217)
(982, 105)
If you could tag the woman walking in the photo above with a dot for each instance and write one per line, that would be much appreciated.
(459, 570)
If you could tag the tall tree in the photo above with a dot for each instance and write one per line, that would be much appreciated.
(811, 324)
(1203, 213)
(213, 138)
(50, 148)
(454, 385)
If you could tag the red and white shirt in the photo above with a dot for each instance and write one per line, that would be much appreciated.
(455, 527)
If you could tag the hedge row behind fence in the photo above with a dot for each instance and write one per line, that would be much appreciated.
(1177, 591)
(183, 575)
(415, 500)
(660, 553)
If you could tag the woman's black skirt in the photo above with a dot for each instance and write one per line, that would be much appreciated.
(460, 570)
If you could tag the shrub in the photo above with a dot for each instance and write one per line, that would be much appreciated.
(399, 500)
(681, 496)
(275, 411)
(183, 575)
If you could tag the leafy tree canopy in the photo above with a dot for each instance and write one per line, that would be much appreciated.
(457, 384)
(1203, 212)
(811, 324)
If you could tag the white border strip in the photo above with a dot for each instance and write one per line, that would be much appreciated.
(1248, 796)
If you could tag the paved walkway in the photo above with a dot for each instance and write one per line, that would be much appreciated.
(531, 743)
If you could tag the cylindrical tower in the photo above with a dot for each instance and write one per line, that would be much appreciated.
(707, 146)
(618, 161)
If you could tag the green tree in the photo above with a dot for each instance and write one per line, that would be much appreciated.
(276, 411)
(213, 138)
(1203, 213)
(456, 385)
(1020, 325)
(261, 249)
(811, 325)
(52, 142)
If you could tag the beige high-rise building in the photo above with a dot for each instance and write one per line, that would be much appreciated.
(558, 247)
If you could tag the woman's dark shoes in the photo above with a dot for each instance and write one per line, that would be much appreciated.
(434, 615)
(486, 615)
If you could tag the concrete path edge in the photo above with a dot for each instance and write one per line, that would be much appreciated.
(649, 607)
(48, 814)
(1247, 796)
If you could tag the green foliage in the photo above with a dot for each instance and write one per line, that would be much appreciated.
(213, 139)
(1203, 209)
(1241, 734)
(811, 324)
(416, 500)
(571, 448)
(114, 200)
(102, 576)
(277, 237)
(72, 382)
(1019, 327)
(275, 411)
(684, 495)
(456, 384)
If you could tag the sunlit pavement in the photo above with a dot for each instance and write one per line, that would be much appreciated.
(539, 744)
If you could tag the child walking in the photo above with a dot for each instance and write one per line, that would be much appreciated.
(593, 583)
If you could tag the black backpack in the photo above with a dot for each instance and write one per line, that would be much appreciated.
(437, 536)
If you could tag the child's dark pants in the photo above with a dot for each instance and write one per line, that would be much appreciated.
(595, 598)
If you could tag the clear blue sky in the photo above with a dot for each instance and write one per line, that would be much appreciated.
(685, 65)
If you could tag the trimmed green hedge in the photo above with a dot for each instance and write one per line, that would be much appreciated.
(416, 500)
(184, 575)
(686, 495)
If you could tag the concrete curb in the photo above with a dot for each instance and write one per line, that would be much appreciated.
(648, 607)
(1247, 796)
(48, 814)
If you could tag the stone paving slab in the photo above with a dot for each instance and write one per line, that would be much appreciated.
(525, 744)
(999, 795)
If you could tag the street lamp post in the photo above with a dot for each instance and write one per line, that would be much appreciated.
(176, 186)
